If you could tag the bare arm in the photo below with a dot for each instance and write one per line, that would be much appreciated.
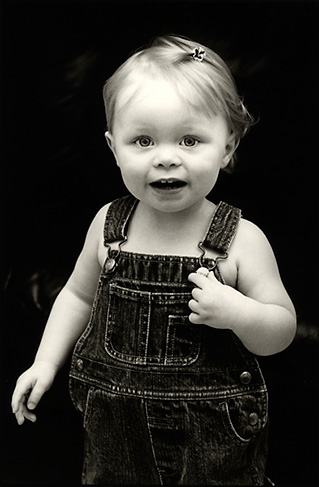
(68, 318)
(259, 311)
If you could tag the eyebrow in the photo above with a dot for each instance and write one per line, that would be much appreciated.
(187, 126)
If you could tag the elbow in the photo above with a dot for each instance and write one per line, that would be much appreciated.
(279, 341)
(291, 329)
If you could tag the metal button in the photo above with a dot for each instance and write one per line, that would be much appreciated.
(79, 364)
(110, 265)
(245, 377)
(253, 419)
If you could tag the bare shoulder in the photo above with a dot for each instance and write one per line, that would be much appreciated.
(255, 259)
(258, 275)
(84, 278)
(257, 271)
(98, 221)
(250, 238)
(94, 238)
(96, 233)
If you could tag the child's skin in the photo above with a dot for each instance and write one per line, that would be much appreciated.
(158, 136)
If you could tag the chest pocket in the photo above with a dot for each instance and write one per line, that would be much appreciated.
(150, 328)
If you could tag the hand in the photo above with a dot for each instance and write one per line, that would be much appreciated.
(31, 386)
(213, 303)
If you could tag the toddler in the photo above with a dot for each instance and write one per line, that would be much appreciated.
(172, 296)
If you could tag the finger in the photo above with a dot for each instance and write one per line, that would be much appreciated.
(19, 395)
(196, 292)
(211, 276)
(19, 417)
(203, 270)
(198, 279)
(29, 415)
(193, 305)
(195, 319)
(14, 405)
(19, 414)
(23, 413)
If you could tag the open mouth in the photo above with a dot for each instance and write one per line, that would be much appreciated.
(168, 184)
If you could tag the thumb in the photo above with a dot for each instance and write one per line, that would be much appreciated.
(211, 276)
(36, 394)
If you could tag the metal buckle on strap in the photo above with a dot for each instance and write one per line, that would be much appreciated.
(112, 256)
(215, 260)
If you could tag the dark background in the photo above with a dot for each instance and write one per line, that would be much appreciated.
(56, 172)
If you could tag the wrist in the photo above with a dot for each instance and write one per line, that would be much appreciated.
(240, 311)
(40, 362)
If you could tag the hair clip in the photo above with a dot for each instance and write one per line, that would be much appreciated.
(198, 54)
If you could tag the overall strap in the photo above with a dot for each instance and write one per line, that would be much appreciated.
(222, 228)
(218, 237)
(117, 217)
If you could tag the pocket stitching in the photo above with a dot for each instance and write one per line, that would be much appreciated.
(88, 406)
(228, 423)
(195, 350)
(229, 426)
(135, 359)
(145, 301)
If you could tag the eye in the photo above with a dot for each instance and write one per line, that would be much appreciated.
(143, 141)
(189, 141)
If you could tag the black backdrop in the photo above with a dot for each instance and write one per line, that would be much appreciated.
(56, 172)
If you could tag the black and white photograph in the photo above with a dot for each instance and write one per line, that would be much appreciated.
(159, 241)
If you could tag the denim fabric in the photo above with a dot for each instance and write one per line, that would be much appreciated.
(165, 402)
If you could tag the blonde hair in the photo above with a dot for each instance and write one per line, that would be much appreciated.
(207, 85)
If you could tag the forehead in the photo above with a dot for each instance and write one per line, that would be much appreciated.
(147, 92)
(159, 93)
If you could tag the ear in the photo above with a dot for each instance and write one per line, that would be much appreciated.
(231, 146)
(111, 144)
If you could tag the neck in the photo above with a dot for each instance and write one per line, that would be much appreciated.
(152, 231)
(179, 219)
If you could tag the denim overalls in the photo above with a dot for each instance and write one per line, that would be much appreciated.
(165, 402)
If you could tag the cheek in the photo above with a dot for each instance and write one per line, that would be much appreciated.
(206, 179)
(129, 182)
(131, 175)
(208, 171)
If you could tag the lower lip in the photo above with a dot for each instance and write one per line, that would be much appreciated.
(168, 190)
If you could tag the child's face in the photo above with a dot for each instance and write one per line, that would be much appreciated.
(169, 153)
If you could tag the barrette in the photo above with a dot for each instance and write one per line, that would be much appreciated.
(198, 54)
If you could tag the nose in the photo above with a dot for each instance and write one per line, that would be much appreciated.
(167, 157)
